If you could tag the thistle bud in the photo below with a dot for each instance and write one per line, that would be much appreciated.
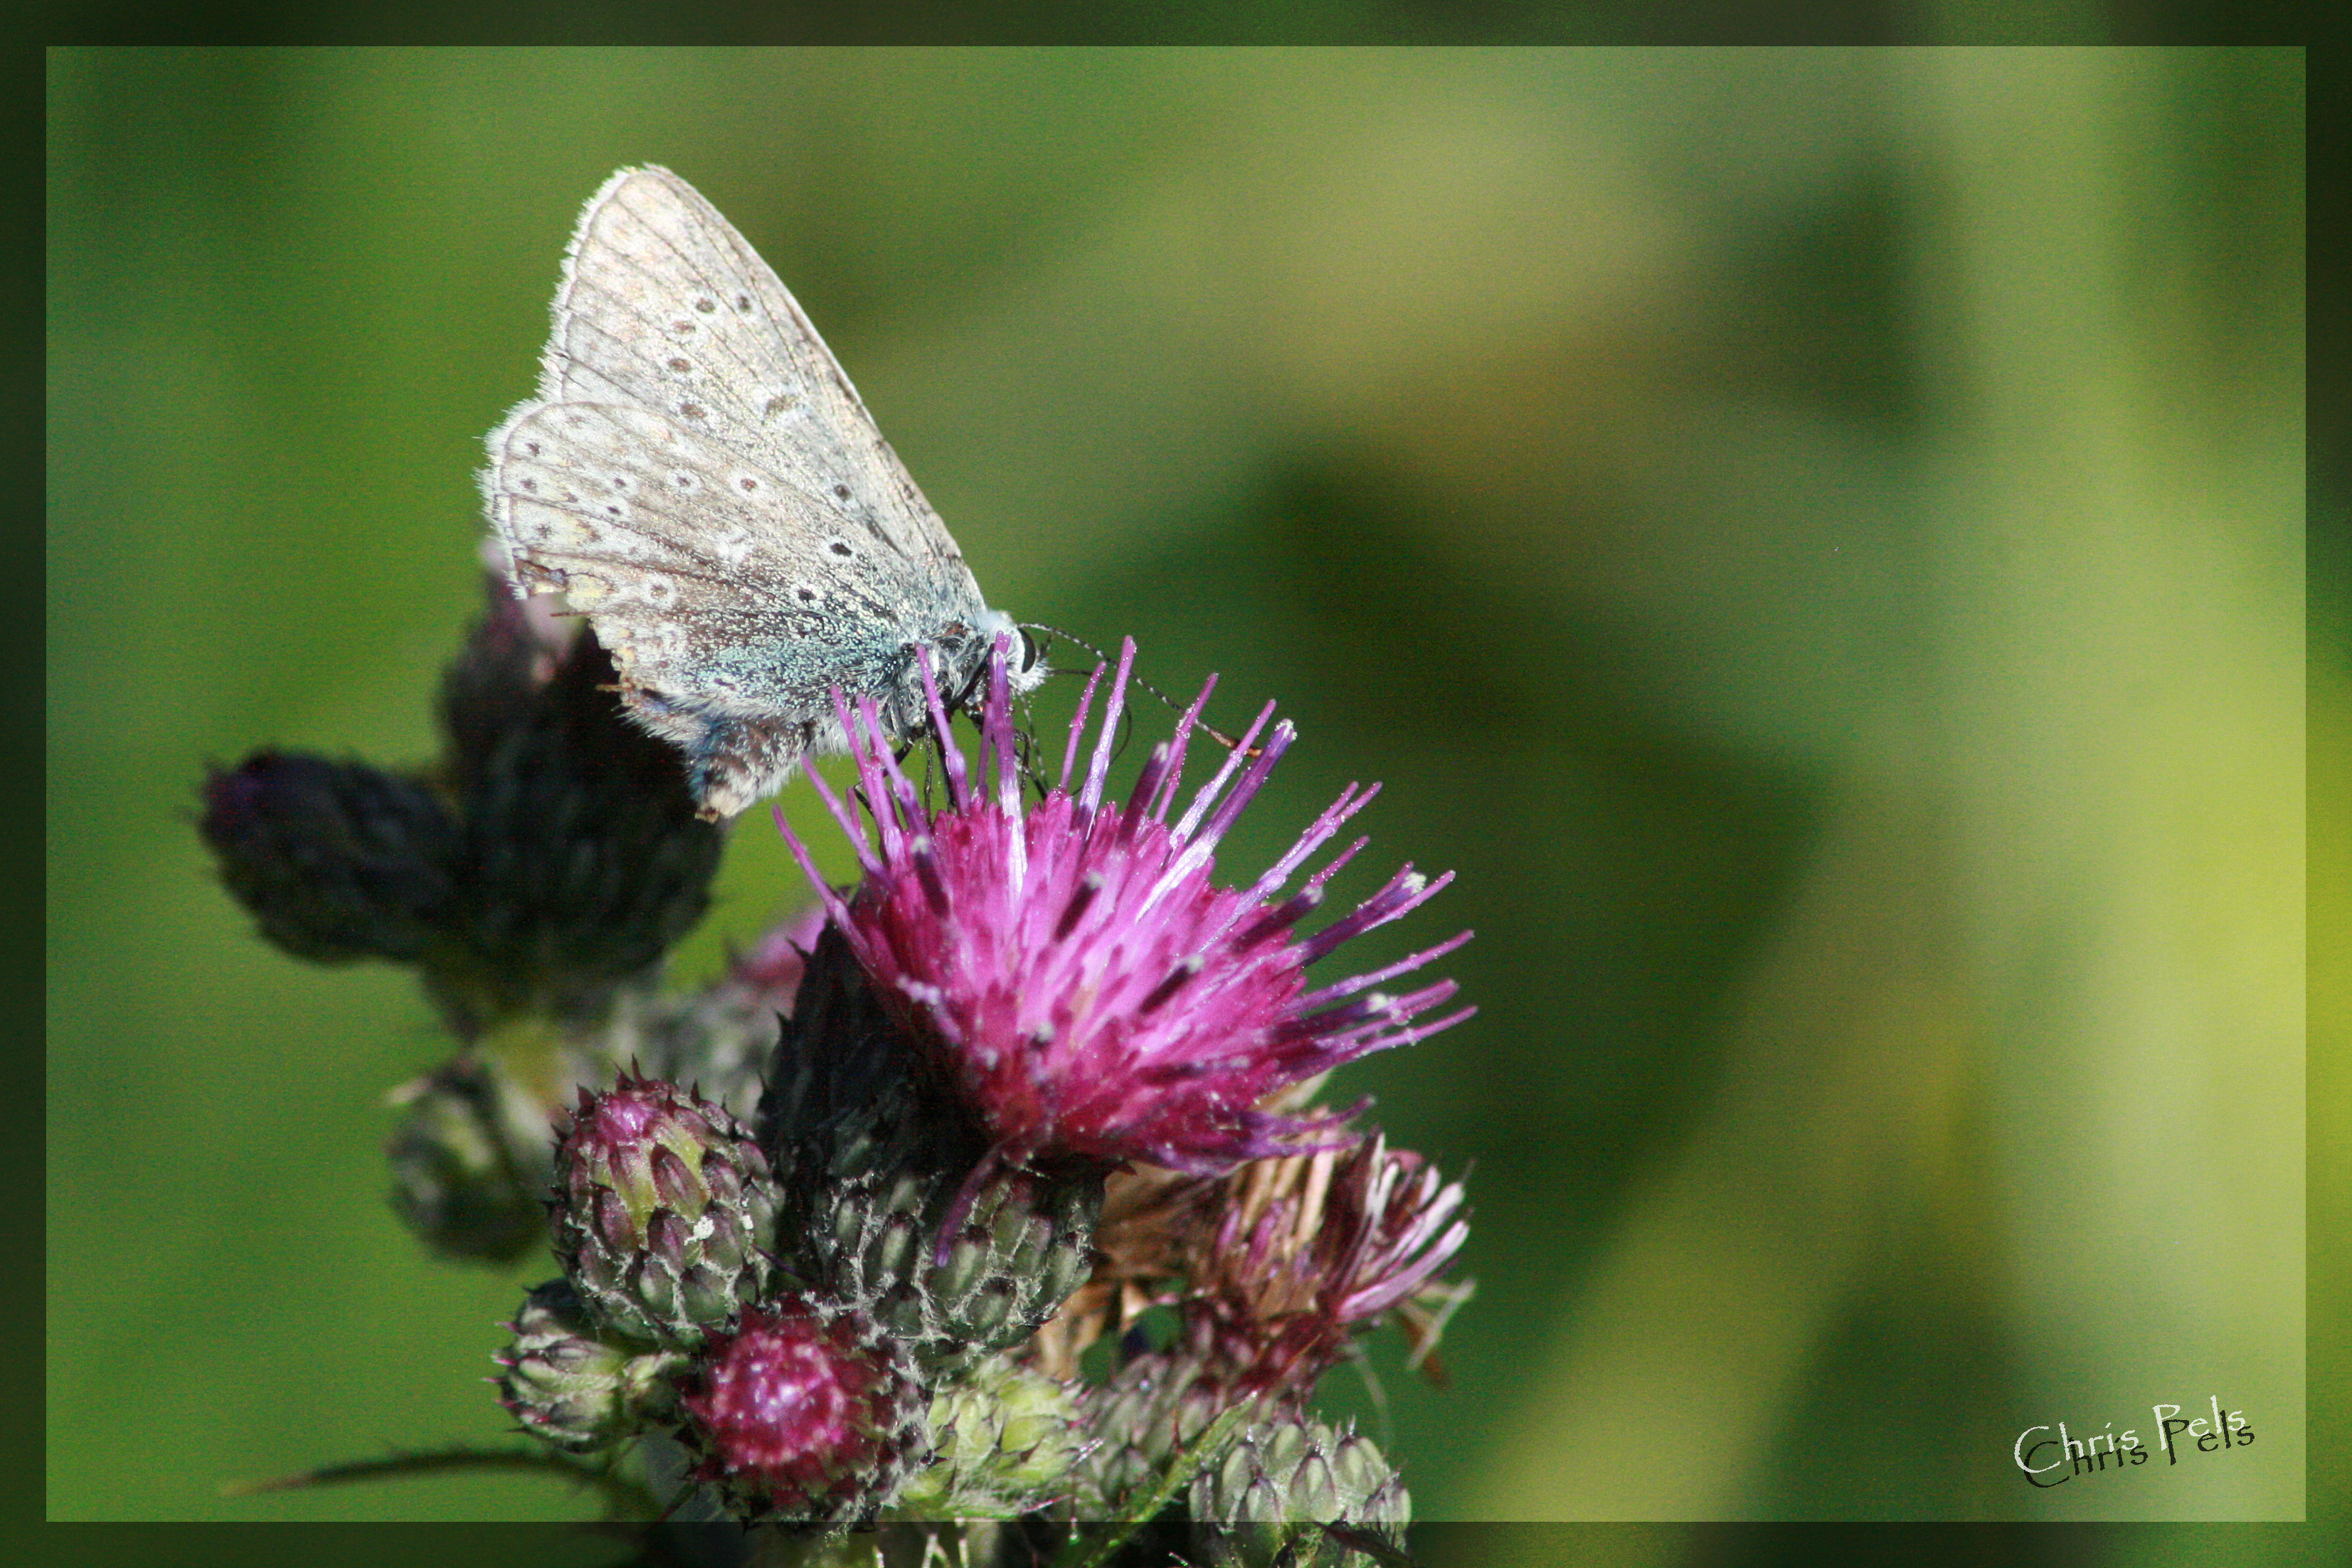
(1268, 1497)
(807, 1412)
(883, 1233)
(454, 1181)
(1004, 1441)
(1152, 1409)
(336, 861)
(580, 860)
(663, 1205)
(577, 1391)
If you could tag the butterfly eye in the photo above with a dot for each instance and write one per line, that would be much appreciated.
(1029, 652)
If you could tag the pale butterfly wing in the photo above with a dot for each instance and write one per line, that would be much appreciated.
(700, 477)
(665, 305)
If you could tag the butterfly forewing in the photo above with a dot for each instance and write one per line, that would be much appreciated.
(699, 478)
(665, 305)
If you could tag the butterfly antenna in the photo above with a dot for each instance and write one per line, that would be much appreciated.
(1227, 742)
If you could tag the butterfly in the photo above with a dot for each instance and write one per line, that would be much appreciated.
(699, 478)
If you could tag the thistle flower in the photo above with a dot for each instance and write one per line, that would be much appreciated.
(1312, 1246)
(1070, 966)
(805, 1412)
(1281, 1263)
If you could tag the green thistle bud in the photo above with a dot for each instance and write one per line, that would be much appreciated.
(1004, 1441)
(454, 1181)
(882, 1233)
(1266, 1499)
(1153, 1409)
(663, 1205)
(571, 1388)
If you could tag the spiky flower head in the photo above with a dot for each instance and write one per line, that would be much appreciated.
(1281, 1263)
(664, 1206)
(1310, 1247)
(805, 1412)
(1071, 967)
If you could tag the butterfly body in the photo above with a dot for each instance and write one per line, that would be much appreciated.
(699, 478)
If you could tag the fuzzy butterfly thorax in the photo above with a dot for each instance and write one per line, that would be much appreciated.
(699, 478)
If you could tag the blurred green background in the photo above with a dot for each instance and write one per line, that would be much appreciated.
(1814, 538)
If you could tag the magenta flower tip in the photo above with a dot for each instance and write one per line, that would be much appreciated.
(1070, 963)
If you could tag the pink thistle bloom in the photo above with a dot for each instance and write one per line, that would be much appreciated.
(1315, 1245)
(1088, 990)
